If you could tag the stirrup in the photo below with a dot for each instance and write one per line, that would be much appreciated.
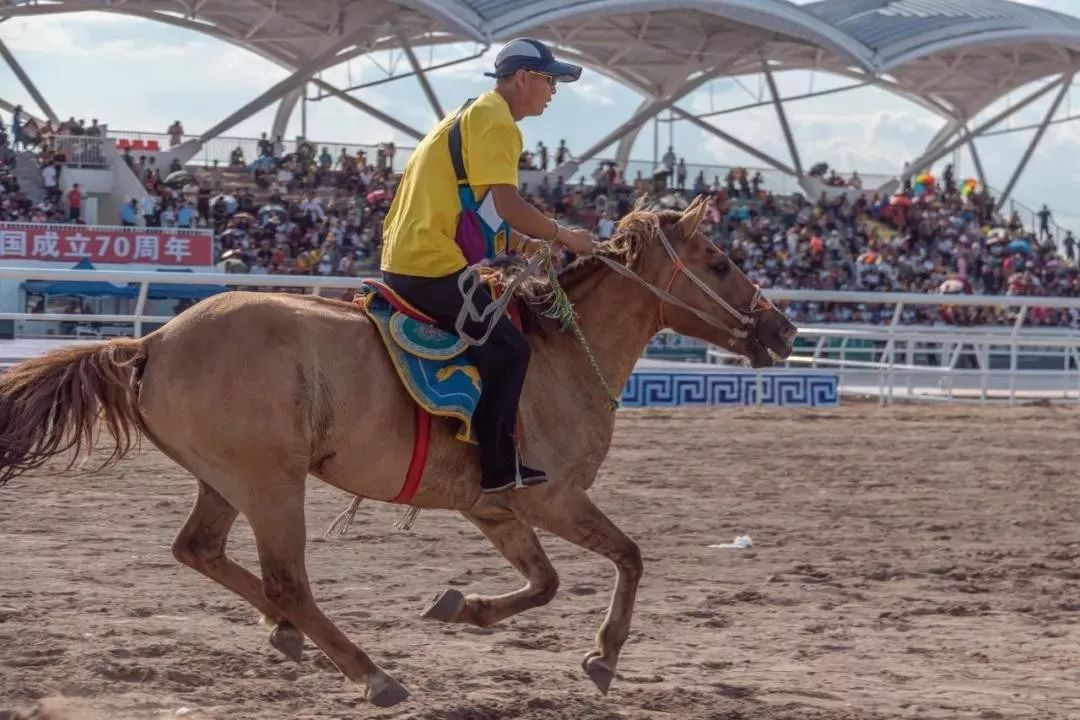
(528, 479)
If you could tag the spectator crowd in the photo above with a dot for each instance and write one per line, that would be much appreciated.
(315, 212)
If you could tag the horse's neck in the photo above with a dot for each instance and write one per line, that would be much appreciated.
(617, 318)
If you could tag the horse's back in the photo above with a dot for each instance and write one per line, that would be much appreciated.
(277, 380)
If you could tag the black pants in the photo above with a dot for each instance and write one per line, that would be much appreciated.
(501, 362)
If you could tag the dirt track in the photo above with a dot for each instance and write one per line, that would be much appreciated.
(907, 562)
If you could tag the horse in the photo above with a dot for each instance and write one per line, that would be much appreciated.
(320, 397)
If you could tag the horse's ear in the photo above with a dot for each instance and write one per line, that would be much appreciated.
(692, 217)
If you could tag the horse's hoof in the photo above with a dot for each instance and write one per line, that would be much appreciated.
(288, 640)
(446, 607)
(385, 691)
(599, 672)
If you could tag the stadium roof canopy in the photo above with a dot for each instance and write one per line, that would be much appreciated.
(954, 57)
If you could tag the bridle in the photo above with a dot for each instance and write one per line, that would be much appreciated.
(469, 282)
(746, 320)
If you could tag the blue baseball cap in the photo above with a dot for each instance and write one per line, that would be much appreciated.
(530, 54)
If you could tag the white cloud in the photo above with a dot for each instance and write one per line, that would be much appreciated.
(233, 65)
(22, 35)
(596, 90)
(471, 71)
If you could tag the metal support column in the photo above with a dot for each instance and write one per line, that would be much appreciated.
(27, 83)
(645, 112)
(10, 107)
(780, 113)
(932, 156)
(422, 77)
(1065, 84)
(626, 143)
(977, 160)
(369, 109)
(285, 110)
(731, 140)
(325, 59)
(943, 136)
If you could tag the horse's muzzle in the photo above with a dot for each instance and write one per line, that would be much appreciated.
(773, 341)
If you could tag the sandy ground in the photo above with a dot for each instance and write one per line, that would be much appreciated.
(908, 562)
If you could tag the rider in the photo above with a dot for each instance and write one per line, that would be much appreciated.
(422, 260)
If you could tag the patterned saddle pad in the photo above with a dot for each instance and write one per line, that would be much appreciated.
(430, 362)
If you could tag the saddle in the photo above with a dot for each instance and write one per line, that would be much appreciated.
(430, 362)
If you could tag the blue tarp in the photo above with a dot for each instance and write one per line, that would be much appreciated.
(79, 287)
(73, 287)
(157, 291)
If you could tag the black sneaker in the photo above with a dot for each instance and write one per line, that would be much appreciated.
(525, 477)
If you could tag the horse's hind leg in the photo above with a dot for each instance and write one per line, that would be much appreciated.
(200, 545)
(277, 519)
(567, 511)
(518, 544)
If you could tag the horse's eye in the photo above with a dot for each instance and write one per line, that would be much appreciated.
(722, 267)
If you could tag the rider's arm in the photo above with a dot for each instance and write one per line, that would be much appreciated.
(523, 217)
(523, 245)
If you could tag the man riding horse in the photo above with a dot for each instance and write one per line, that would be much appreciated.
(342, 413)
(423, 256)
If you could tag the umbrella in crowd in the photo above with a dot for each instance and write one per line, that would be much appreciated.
(243, 220)
(377, 196)
(230, 202)
(271, 213)
(952, 286)
(1020, 246)
(263, 162)
(233, 233)
(178, 178)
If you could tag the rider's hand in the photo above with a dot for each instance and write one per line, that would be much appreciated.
(576, 240)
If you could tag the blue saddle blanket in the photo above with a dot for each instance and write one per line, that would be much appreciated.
(430, 362)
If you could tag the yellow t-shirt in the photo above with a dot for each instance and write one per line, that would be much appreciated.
(418, 234)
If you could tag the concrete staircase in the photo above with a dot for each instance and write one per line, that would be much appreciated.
(28, 174)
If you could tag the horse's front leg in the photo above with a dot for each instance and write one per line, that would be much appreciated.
(518, 544)
(568, 512)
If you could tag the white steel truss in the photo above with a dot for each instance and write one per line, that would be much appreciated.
(954, 57)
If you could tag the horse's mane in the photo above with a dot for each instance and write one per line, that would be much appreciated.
(536, 293)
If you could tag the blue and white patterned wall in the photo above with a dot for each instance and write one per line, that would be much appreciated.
(673, 389)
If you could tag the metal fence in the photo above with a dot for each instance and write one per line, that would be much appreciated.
(893, 361)
(940, 362)
(81, 151)
(220, 149)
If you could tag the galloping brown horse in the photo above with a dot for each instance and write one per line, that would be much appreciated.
(338, 412)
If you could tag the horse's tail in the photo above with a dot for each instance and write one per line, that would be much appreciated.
(51, 404)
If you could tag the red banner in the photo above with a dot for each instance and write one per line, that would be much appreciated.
(99, 244)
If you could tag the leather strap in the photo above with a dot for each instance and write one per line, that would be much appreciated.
(456, 156)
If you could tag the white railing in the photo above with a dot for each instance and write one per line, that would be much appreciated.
(927, 362)
(81, 151)
(318, 285)
(220, 149)
(893, 361)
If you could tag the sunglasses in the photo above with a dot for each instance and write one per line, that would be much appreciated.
(551, 81)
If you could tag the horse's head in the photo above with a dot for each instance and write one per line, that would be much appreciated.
(681, 260)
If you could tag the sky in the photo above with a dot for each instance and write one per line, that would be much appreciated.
(138, 75)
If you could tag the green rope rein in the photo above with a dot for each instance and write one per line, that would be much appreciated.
(562, 310)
